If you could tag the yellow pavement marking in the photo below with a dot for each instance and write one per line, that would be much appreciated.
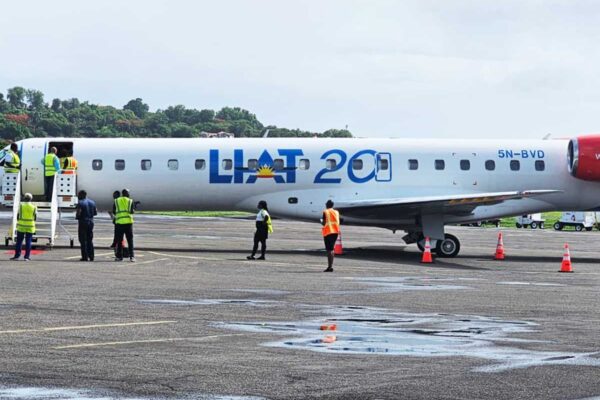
(126, 342)
(69, 328)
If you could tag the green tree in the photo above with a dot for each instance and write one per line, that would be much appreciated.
(337, 133)
(207, 115)
(236, 114)
(175, 114)
(3, 104)
(16, 97)
(35, 98)
(56, 105)
(181, 130)
(139, 108)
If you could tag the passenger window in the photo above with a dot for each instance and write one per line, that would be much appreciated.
(331, 163)
(304, 163)
(357, 164)
(277, 164)
(227, 164)
(253, 164)
(382, 164)
(119, 165)
(465, 165)
(440, 165)
(146, 165)
(515, 165)
(97, 165)
(490, 165)
(200, 164)
(413, 164)
(173, 165)
(540, 165)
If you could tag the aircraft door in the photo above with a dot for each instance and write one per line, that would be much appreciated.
(383, 167)
(32, 170)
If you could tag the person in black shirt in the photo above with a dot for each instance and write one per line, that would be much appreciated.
(85, 212)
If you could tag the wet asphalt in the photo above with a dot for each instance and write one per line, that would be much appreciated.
(192, 318)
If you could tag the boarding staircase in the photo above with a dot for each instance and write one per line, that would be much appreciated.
(48, 221)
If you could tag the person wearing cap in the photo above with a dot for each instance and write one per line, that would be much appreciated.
(123, 209)
(263, 228)
(11, 160)
(51, 168)
(25, 226)
(330, 231)
(85, 212)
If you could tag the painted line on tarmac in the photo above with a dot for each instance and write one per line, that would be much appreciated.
(187, 257)
(151, 261)
(77, 327)
(126, 342)
(97, 255)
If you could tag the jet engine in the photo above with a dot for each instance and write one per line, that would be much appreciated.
(584, 157)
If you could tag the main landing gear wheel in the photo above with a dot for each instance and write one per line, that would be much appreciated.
(449, 247)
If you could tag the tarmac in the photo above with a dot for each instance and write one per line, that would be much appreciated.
(193, 319)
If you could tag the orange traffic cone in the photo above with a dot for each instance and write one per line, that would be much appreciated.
(338, 249)
(566, 262)
(427, 259)
(499, 248)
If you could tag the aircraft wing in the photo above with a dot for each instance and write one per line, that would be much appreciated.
(460, 204)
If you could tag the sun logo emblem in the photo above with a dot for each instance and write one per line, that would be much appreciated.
(265, 171)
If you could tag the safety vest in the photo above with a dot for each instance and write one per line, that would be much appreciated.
(13, 167)
(265, 214)
(71, 165)
(332, 222)
(122, 214)
(49, 164)
(26, 221)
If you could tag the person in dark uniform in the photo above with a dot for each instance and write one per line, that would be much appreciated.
(85, 212)
(116, 195)
(263, 228)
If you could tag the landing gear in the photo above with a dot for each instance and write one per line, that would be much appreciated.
(449, 247)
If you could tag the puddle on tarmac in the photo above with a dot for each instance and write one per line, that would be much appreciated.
(41, 393)
(396, 284)
(530, 283)
(363, 330)
(209, 302)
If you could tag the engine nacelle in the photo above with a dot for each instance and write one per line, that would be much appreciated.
(584, 157)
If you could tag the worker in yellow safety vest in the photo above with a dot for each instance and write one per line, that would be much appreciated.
(69, 165)
(123, 209)
(51, 168)
(330, 230)
(11, 160)
(25, 226)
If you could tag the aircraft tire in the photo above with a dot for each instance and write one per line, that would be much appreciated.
(449, 247)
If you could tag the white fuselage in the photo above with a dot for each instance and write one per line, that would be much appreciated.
(214, 174)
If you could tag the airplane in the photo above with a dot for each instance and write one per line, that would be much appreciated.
(418, 186)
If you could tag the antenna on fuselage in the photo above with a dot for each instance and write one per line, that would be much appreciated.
(266, 134)
(547, 136)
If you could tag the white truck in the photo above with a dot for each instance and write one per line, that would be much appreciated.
(580, 220)
(530, 220)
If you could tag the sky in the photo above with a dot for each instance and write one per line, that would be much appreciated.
(437, 69)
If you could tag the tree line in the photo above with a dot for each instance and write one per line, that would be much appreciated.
(24, 113)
